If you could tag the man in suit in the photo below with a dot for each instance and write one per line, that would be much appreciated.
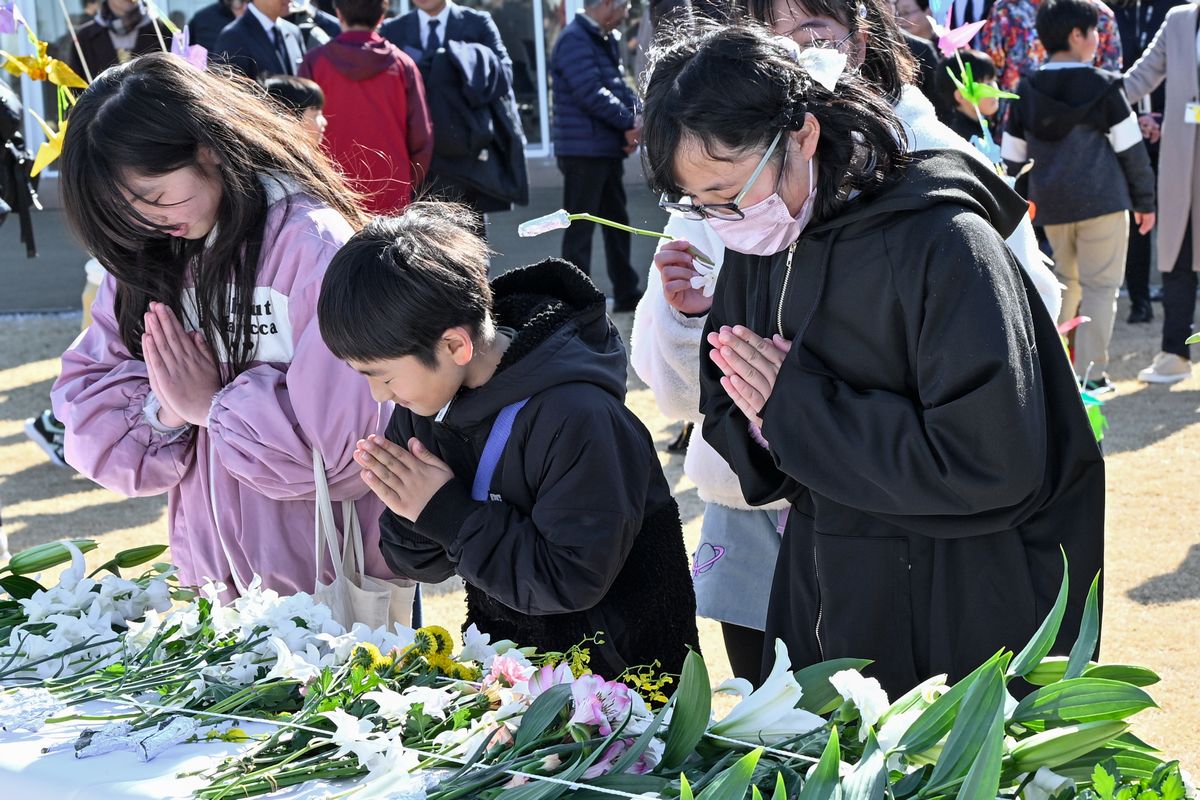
(431, 31)
(262, 42)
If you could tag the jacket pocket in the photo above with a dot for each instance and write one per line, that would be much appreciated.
(865, 608)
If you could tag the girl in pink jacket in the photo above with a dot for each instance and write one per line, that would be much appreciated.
(203, 373)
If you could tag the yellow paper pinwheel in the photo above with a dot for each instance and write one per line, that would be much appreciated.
(48, 153)
(42, 67)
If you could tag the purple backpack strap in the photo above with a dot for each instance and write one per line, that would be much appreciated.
(493, 449)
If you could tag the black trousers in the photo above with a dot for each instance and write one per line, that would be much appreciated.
(1179, 300)
(1137, 256)
(594, 186)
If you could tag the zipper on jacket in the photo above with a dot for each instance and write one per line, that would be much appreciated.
(787, 276)
(820, 603)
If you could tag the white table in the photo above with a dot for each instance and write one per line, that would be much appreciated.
(28, 774)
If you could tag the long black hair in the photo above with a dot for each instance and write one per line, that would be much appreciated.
(888, 63)
(150, 117)
(732, 88)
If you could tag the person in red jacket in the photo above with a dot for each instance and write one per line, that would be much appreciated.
(379, 130)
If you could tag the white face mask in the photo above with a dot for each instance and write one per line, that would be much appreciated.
(767, 227)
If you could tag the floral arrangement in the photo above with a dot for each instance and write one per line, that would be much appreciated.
(402, 714)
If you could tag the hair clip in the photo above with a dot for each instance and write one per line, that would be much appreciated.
(862, 11)
(823, 64)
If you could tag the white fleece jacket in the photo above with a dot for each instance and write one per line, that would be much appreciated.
(665, 347)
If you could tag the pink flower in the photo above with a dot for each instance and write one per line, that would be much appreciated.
(648, 760)
(510, 670)
(599, 703)
(541, 680)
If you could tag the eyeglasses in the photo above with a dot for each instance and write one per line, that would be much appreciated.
(818, 41)
(732, 211)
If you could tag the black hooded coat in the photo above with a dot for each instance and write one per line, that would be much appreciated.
(925, 425)
(583, 534)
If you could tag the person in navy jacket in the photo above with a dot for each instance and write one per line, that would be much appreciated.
(262, 42)
(595, 129)
(478, 144)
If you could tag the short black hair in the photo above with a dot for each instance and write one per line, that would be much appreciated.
(983, 70)
(361, 12)
(294, 94)
(1056, 19)
(401, 282)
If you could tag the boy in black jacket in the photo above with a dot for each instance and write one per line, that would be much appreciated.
(511, 458)
(1075, 122)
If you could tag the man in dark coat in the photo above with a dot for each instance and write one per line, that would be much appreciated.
(206, 25)
(478, 143)
(262, 42)
(595, 129)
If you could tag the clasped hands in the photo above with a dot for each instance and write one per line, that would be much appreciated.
(183, 372)
(750, 365)
(404, 479)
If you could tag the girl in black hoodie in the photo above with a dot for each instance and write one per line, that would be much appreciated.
(912, 404)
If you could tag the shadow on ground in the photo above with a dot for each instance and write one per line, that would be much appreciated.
(1172, 587)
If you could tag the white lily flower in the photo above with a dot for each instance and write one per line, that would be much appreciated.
(353, 735)
(893, 730)
(477, 646)
(769, 714)
(1045, 784)
(865, 693)
(292, 665)
(705, 277)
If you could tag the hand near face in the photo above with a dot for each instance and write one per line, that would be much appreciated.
(750, 365)
(404, 479)
(183, 372)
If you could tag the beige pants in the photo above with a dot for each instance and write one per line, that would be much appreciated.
(1089, 257)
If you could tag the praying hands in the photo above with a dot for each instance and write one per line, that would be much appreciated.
(183, 372)
(750, 365)
(405, 480)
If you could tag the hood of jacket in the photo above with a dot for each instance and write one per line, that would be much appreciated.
(1058, 99)
(563, 335)
(360, 55)
(929, 178)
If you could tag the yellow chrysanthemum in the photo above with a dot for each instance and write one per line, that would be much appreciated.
(365, 655)
(433, 640)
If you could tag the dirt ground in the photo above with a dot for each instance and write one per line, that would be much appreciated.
(1152, 584)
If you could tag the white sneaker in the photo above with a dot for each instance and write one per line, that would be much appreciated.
(1167, 368)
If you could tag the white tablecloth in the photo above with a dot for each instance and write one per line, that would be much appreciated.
(28, 774)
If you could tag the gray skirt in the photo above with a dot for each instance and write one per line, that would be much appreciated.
(734, 564)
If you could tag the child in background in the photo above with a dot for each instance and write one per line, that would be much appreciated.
(958, 114)
(203, 374)
(303, 98)
(379, 130)
(1092, 167)
(511, 458)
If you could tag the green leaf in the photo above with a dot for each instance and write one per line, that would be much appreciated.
(693, 706)
(1103, 784)
(824, 780)
(19, 587)
(1039, 646)
(1126, 673)
(685, 788)
(780, 792)
(1193, 339)
(869, 776)
(733, 782)
(1062, 745)
(1089, 633)
(630, 757)
(541, 715)
(936, 721)
(1082, 700)
(972, 727)
(136, 556)
(1051, 669)
(1172, 786)
(819, 696)
(983, 779)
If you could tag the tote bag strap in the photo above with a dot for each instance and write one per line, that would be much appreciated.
(493, 449)
(325, 530)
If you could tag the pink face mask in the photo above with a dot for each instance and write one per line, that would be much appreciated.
(767, 227)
